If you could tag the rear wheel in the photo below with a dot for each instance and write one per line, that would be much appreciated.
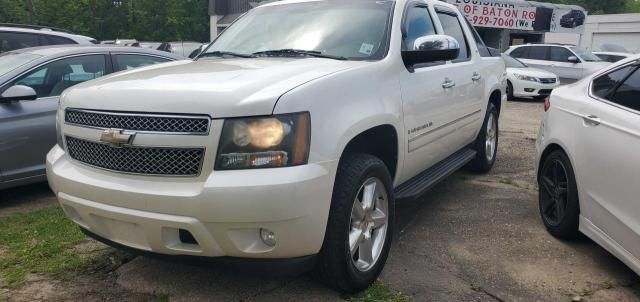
(360, 225)
(487, 143)
(558, 196)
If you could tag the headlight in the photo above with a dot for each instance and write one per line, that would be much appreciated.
(526, 78)
(264, 142)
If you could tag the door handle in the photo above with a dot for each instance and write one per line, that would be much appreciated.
(448, 84)
(592, 120)
(476, 77)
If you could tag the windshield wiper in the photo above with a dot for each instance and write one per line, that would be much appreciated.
(224, 53)
(297, 52)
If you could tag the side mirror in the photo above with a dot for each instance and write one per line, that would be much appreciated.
(573, 59)
(18, 93)
(432, 48)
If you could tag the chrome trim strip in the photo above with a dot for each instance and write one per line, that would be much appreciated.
(194, 117)
(444, 126)
(200, 164)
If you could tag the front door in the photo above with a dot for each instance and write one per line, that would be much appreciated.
(560, 65)
(28, 128)
(607, 158)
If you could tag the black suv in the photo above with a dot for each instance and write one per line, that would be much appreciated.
(573, 19)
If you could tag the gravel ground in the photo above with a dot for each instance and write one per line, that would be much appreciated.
(472, 238)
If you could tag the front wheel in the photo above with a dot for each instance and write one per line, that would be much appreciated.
(487, 143)
(510, 96)
(360, 225)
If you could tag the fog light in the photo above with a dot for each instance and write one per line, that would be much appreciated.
(529, 90)
(268, 237)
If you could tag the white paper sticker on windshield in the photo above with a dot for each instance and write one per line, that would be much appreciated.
(366, 49)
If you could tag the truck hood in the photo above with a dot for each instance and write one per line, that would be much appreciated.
(217, 87)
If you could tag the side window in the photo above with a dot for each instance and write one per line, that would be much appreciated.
(452, 27)
(628, 94)
(55, 40)
(125, 62)
(559, 54)
(604, 85)
(520, 52)
(11, 40)
(482, 48)
(538, 53)
(418, 23)
(53, 78)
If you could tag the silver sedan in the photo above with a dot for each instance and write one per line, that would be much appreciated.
(31, 81)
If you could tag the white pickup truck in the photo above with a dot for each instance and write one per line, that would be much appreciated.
(287, 140)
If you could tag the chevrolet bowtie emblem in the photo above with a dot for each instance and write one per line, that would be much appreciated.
(117, 137)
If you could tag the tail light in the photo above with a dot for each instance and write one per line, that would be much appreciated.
(547, 104)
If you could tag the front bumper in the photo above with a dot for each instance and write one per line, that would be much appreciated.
(532, 89)
(224, 212)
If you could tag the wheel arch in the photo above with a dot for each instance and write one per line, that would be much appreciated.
(380, 141)
(495, 98)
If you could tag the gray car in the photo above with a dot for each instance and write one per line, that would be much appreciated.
(31, 81)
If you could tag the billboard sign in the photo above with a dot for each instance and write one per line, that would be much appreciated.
(497, 14)
(520, 16)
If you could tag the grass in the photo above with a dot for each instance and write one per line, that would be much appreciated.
(379, 292)
(38, 242)
(475, 287)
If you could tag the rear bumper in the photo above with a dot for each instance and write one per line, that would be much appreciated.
(224, 213)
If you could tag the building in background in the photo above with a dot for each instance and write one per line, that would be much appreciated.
(501, 23)
(604, 33)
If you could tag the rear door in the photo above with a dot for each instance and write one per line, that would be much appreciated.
(27, 128)
(538, 57)
(608, 157)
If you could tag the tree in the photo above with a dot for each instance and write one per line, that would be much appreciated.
(597, 7)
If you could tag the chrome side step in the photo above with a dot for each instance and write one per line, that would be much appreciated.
(424, 181)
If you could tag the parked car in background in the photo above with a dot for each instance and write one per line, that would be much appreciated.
(573, 19)
(612, 57)
(570, 63)
(588, 166)
(17, 36)
(31, 81)
(184, 49)
(288, 148)
(524, 81)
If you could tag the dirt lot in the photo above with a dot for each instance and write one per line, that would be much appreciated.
(472, 238)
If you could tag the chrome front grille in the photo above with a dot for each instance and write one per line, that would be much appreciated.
(172, 161)
(138, 122)
(548, 80)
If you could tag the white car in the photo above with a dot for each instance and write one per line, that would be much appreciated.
(18, 36)
(570, 63)
(526, 82)
(288, 147)
(612, 57)
(588, 164)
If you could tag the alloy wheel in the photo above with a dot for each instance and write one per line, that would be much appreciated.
(491, 141)
(554, 184)
(368, 227)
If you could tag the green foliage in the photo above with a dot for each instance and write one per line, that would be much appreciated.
(38, 242)
(144, 20)
(379, 292)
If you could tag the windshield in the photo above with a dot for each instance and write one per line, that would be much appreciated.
(11, 60)
(512, 62)
(355, 30)
(586, 55)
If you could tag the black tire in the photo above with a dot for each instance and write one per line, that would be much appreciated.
(335, 267)
(566, 226)
(510, 96)
(483, 163)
